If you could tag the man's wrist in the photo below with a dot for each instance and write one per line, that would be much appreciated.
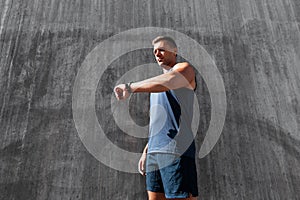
(127, 87)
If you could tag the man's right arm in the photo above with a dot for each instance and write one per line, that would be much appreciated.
(146, 149)
(142, 161)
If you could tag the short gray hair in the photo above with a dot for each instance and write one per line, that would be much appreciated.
(170, 40)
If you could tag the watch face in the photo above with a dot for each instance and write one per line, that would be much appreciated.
(127, 86)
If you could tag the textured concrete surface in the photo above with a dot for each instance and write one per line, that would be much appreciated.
(255, 45)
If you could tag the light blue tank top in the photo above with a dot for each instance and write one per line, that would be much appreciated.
(171, 115)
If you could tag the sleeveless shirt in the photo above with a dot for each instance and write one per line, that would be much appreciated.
(171, 114)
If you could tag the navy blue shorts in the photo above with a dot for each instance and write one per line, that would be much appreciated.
(170, 174)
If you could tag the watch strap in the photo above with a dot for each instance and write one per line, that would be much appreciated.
(128, 88)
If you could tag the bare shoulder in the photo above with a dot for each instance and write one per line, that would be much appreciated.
(184, 67)
(187, 70)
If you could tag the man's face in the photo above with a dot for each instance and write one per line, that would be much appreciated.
(165, 55)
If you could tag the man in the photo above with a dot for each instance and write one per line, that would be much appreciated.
(168, 160)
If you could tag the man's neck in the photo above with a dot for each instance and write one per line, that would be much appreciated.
(167, 69)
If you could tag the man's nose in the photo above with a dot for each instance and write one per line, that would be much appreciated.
(158, 54)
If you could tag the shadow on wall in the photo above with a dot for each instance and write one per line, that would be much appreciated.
(254, 159)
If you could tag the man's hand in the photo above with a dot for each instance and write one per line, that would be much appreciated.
(142, 164)
(121, 92)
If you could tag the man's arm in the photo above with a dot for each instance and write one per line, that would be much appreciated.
(145, 149)
(142, 161)
(182, 75)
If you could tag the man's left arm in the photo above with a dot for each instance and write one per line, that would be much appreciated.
(182, 75)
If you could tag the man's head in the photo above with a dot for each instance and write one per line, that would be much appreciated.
(165, 51)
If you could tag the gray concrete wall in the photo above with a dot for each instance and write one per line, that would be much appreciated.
(255, 45)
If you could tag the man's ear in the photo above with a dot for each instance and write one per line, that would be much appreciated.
(175, 51)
